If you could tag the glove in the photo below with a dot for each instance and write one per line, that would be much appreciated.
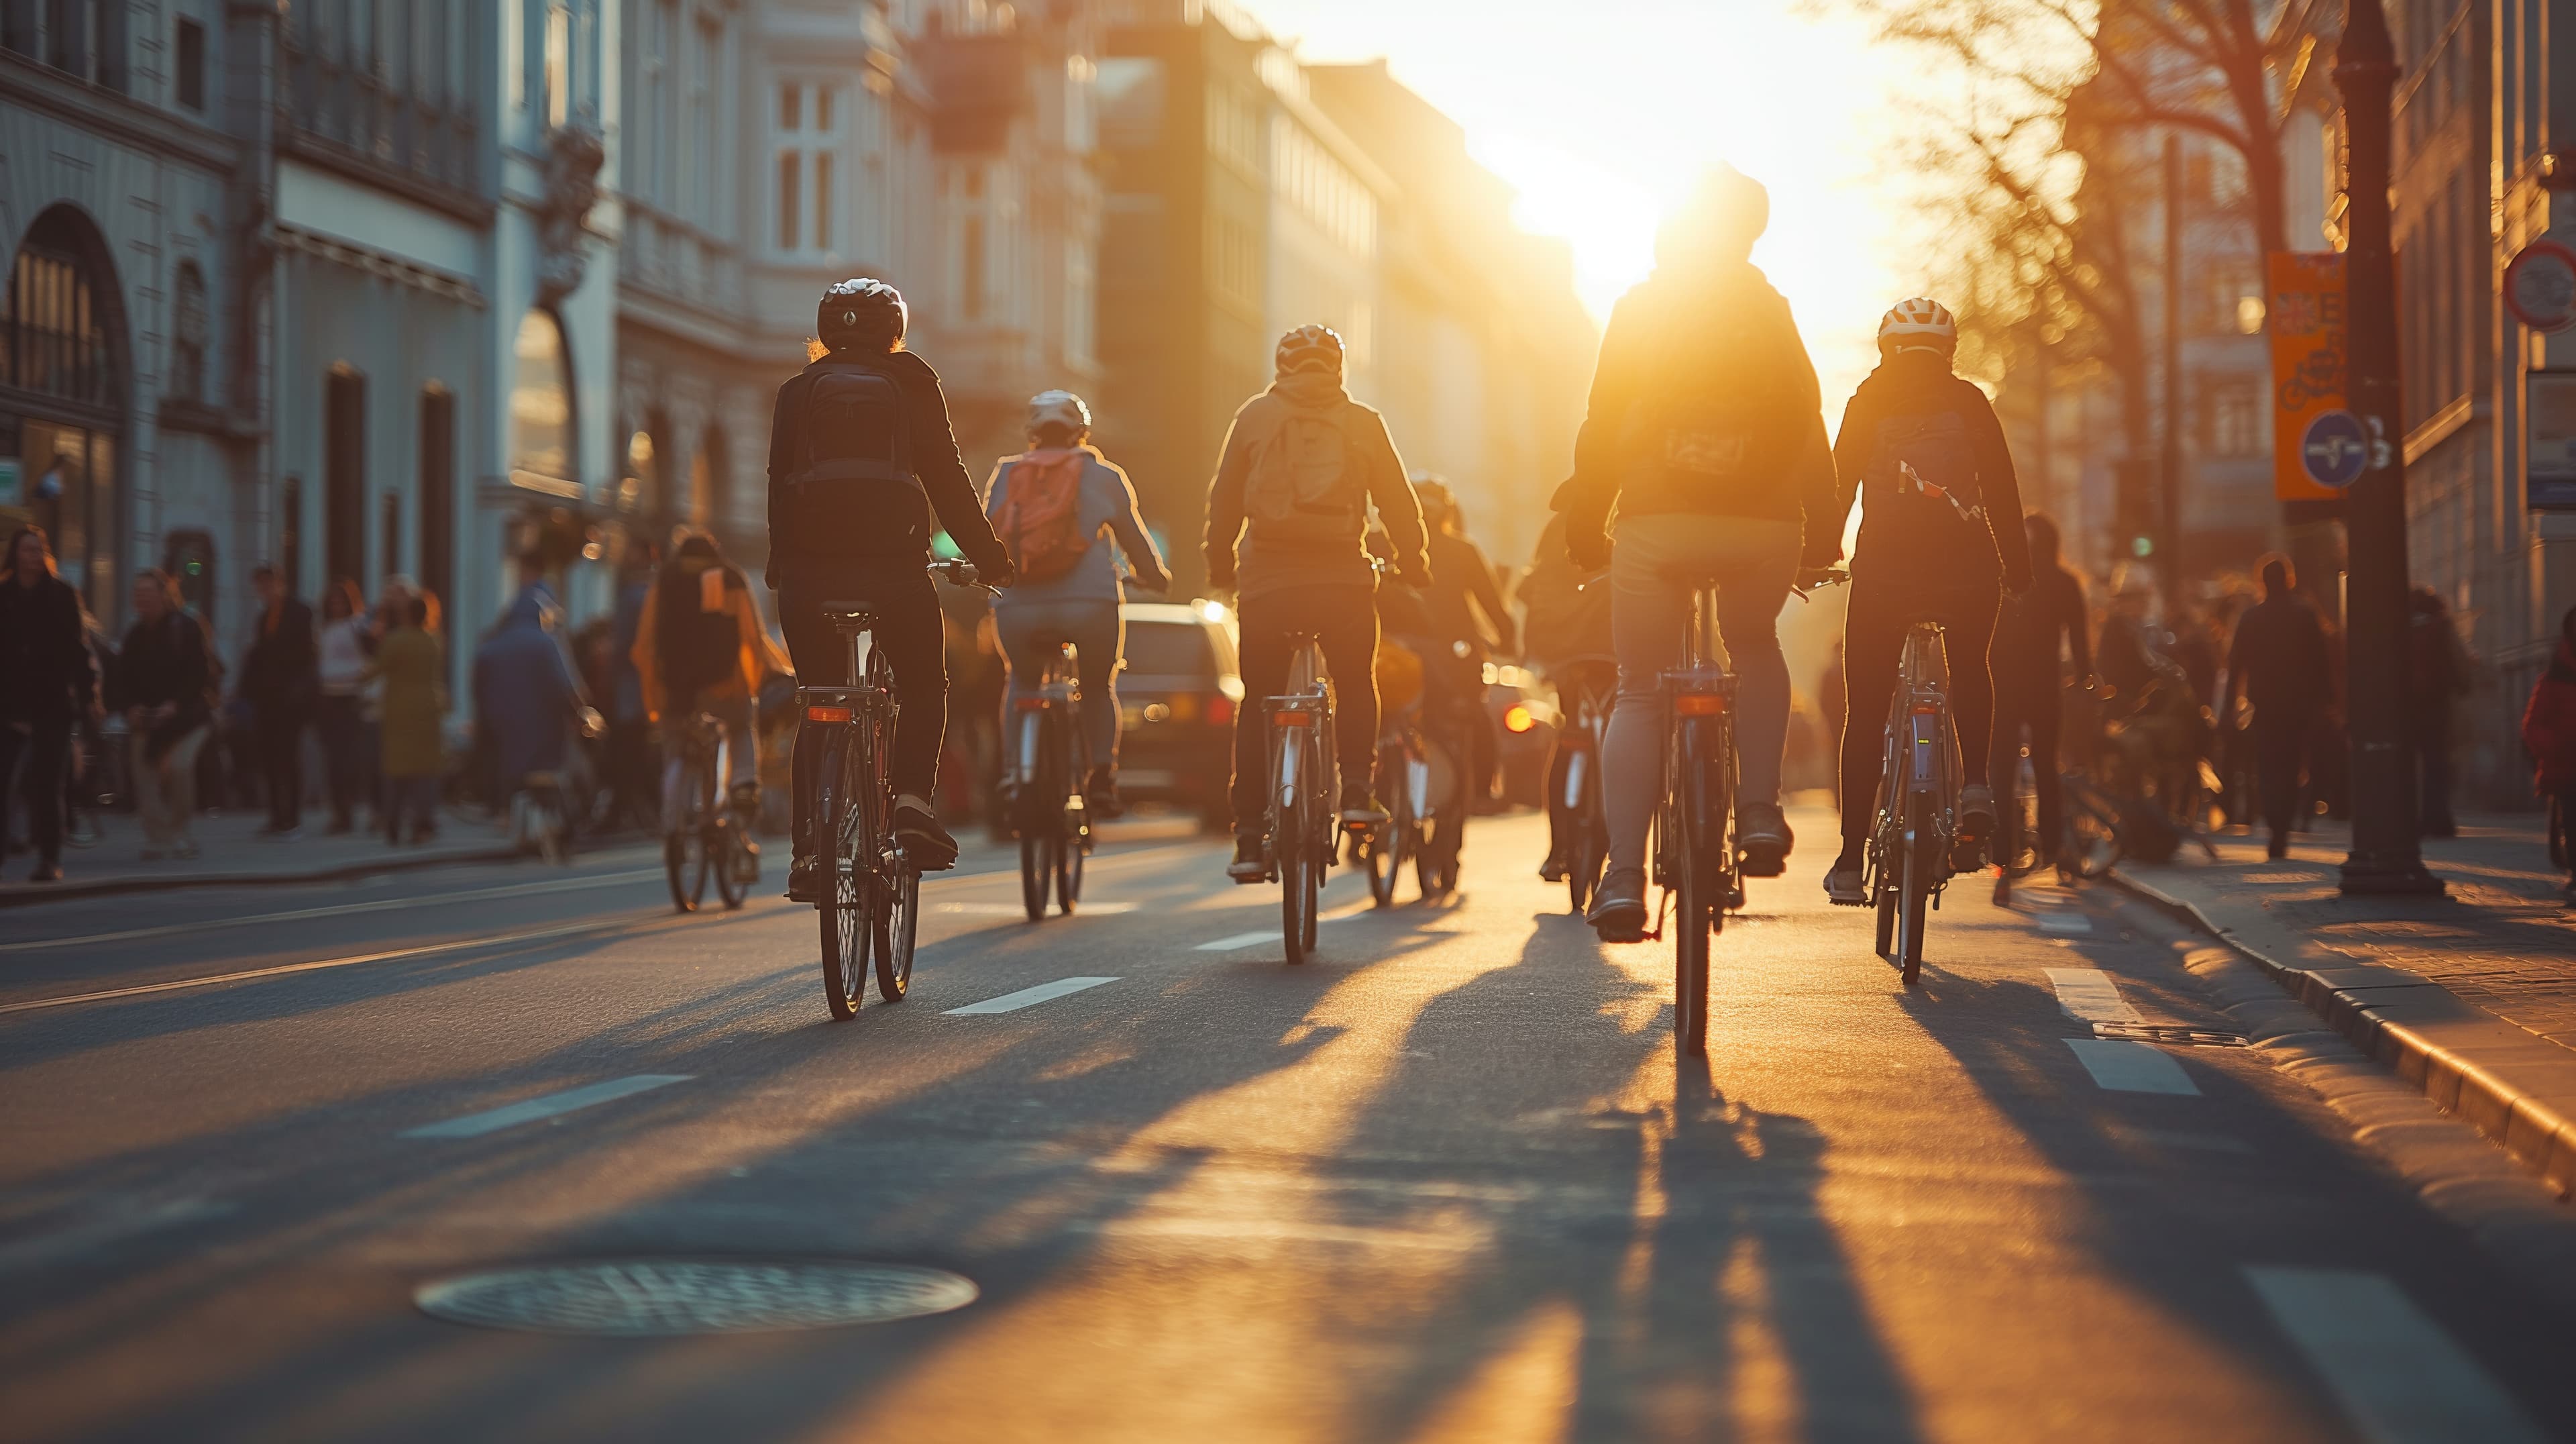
(1588, 546)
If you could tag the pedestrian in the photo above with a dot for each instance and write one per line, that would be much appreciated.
(2549, 735)
(340, 715)
(2438, 674)
(163, 683)
(2036, 635)
(411, 666)
(630, 733)
(280, 680)
(47, 683)
(2278, 662)
(526, 697)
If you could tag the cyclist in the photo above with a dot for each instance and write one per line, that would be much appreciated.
(1301, 467)
(1054, 506)
(1928, 446)
(699, 647)
(1469, 624)
(1705, 430)
(861, 461)
(1567, 633)
(2029, 677)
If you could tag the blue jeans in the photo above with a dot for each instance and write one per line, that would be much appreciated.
(1656, 563)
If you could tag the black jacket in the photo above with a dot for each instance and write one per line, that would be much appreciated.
(2028, 632)
(935, 461)
(46, 672)
(1924, 546)
(2278, 659)
(280, 673)
(164, 662)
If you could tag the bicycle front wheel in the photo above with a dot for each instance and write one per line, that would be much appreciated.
(685, 861)
(1921, 858)
(728, 852)
(898, 926)
(1296, 871)
(1068, 864)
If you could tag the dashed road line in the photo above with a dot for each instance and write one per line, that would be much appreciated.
(1233, 941)
(2065, 923)
(2123, 1067)
(2091, 995)
(551, 1105)
(2394, 1370)
(999, 909)
(1028, 997)
(114, 1226)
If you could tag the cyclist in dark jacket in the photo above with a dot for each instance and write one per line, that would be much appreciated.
(863, 471)
(1926, 443)
(2030, 671)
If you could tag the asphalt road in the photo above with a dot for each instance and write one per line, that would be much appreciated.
(1441, 1183)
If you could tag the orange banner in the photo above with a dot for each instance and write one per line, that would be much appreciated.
(2306, 322)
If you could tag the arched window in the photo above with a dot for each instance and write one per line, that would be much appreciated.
(188, 328)
(542, 451)
(63, 397)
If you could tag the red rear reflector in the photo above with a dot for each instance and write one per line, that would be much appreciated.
(1032, 704)
(1220, 710)
(827, 714)
(1927, 711)
(1517, 718)
(1293, 718)
(1700, 704)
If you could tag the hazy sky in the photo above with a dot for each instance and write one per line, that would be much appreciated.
(1600, 110)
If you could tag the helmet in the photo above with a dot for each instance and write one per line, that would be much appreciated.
(1439, 503)
(1918, 325)
(1058, 408)
(860, 312)
(1310, 348)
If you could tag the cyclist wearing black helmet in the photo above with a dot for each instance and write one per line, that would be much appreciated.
(863, 471)
(1302, 464)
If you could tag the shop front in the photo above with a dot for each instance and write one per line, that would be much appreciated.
(64, 387)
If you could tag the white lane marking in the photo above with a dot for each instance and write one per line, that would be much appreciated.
(996, 909)
(1233, 941)
(551, 1105)
(2125, 1067)
(2395, 1371)
(2065, 923)
(2090, 994)
(1029, 997)
(524, 889)
(29, 1253)
(2214, 1142)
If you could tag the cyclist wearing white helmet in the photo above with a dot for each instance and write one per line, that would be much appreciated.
(1058, 506)
(1940, 537)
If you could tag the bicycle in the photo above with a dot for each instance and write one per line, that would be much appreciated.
(1301, 822)
(1426, 814)
(1049, 761)
(708, 839)
(1692, 841)
(869, 897)
(1587, 729)
(1914, 845)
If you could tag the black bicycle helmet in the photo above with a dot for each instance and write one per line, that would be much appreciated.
(1310, 348)
(862, 314)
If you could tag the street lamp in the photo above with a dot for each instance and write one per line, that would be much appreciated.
(2384, 856)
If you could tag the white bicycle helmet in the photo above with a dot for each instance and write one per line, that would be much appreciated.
(1058, 408)
(1918, 325)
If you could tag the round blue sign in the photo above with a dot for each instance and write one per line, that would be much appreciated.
(2335, 450)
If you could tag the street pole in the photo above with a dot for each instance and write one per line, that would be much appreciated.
(2168, 521)
(2384, 856)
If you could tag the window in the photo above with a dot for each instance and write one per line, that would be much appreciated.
(972, 260)
(344, 476)
(2232, 418)
(541, 430)
(697, 180)
(791, 106)
(660, 118)
(389, 534)
(823, 108)
(558, 65)
(823, 200)
(1078, 301)
(188, 333)
(791, 171)
(290, 531)
(191, 64)
(514, 50)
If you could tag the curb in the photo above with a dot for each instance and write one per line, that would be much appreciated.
(2382, 1011)
(33, 895)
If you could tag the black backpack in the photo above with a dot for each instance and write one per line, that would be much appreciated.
(854, 491)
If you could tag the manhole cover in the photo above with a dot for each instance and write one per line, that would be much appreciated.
(642, 1297)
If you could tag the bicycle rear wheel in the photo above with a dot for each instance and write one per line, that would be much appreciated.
(1296, 894)
(898, 927)
(1068, 867)
(725, 859)
(684, 850)
(842, 891)
(1921, 858)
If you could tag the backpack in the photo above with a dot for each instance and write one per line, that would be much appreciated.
(855, 490)
(1928, 457)
(1301, 481)
(1041, 520)
(696, 641)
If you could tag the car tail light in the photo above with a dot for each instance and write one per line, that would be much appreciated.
(827, 714)
(1184, 707)
(1517, 718)
(1700, 704)
(1220, 710)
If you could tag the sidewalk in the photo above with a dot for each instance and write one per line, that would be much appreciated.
(227, 852)
(2472, 996)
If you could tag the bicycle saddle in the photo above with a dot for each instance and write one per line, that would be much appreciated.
(850, 616)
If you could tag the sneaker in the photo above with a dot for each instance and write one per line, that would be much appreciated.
(1762, 834)
(1359, 807)
(1618, 911)
(926, 844)
(1844, 883)
(1555, 867)
(1251, 863)
(802, 875)
(1976, 811)
(1100, 794)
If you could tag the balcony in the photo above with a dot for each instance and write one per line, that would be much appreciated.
(346, 113)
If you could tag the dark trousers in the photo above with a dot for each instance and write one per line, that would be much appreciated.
(342, 724)
(2433, 772)
(281, 766)
(2018, 710)
(45, 746)
(2281, 741)
(1343, 620)
(908, 630)
(413, 800)
(1873, 645)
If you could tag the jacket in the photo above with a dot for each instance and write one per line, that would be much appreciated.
(1245, 558)
(752, 655)
(1899, 546)
(907, 527)
(164, 662)
(1106, 512)
(1462, 591)
(2549, 722)
(2279, 660)
(412, 663)
(46, 670)
(525, 692)
(1722, 348)
(1565, 620)
(2030, 629)
(281, 674)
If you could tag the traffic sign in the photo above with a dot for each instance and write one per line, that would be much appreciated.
(2540, 286)
(2335, 450)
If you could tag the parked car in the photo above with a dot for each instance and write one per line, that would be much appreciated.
(1177, 700)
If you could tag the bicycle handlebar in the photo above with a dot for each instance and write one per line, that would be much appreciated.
(1811, 580)
(959, 572)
